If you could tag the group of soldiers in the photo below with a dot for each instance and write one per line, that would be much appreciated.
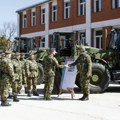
(15, 71)
(84, 68)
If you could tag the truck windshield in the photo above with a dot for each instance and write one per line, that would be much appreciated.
(63, 42)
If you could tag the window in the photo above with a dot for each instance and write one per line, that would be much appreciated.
(66, 10)
(24, 21)
(42, 42)
(33, 18)
(54, 13)
(31, 43)
(81, 38)
(97, 5)
(115, 3)
(43, 16)
(98, 39)
(81, 7)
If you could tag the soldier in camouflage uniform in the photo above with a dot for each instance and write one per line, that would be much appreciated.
(24, 80)
(32, 75)
(7, 77)
(17, 84)
(50, 63)
(2, 55)
(85, 69)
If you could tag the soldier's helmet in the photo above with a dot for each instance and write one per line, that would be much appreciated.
(81, 48)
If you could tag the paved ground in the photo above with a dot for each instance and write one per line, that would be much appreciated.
(104, 106)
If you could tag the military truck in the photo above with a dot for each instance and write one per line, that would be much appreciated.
(106, 63)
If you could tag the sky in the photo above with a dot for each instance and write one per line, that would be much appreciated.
(8, 9)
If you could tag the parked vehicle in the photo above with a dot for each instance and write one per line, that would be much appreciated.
(106, 63)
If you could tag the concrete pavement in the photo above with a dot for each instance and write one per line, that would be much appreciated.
(104, 106)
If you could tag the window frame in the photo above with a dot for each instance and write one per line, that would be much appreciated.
(33, 18)
(43, 10)
(100, 39)
(81, 37)
(24, 21)
(99, 9)
(54, 13)
(83, 4)
(114, 4)
(42, 43)
(67, 10)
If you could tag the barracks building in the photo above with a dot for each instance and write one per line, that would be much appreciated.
(91, 21)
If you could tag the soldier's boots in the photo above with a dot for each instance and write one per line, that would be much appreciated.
(48, 98)
(10, 96)
(15, 99)
(84, 98)
(35, 93)
(5, 103)
(26, 91)
(29, 94)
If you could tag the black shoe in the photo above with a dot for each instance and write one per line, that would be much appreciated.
(26, 91)
(81, 98)
(15, 99)
(5, 103)
(49, 98)
(35, 93)
(10, 96)
(29, 94)
(85, 99)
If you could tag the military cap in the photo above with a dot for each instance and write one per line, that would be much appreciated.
(17, 54)
(22, 54)
(31, 53)
(52, 50)
(81, 48)
(8, 52)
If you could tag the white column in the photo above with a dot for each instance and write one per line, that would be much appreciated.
(46, 25)
(88, 22)
(18, 25)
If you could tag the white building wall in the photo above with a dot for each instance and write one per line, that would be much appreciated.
(46, 25)
(18, 25)
(88, 22)
(76, 28)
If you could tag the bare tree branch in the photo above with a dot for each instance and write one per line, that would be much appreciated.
(8, 30)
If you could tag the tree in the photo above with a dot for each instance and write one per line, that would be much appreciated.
(7, 32)
(3, 43)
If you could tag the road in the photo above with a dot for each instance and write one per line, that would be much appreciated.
(105, 106)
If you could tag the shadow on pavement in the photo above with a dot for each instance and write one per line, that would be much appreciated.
(113, 89)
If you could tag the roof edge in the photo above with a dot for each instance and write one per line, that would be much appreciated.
(22, 9)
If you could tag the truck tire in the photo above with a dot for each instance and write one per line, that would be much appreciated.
(100, 78)
(40, 74)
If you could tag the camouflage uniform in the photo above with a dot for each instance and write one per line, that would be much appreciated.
(24, 80)
(6, 79)
(50, 63)
(32, 74)
(84, 65)
(17, 84)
